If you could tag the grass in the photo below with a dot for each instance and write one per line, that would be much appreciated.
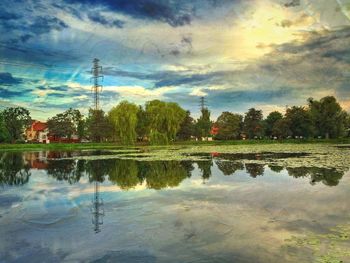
(83, 146)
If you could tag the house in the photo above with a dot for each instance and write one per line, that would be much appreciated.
(214, 130)
(37, 132)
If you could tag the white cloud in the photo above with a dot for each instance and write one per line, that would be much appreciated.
(198, 92)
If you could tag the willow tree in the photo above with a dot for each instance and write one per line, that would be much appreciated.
(124, 119)
(164, 120)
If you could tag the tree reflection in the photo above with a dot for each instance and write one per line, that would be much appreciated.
(228, 167)
(66, 170)
(97, 170)
(205, 168)
(327, 176)
(160, 174)
(13, 169)
(255, 169)
(276, 168)
(124, 173)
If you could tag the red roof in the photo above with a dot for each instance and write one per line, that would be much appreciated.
(39, 126)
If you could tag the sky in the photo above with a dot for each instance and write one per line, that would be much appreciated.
(238, 54)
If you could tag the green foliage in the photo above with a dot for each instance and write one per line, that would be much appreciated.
(164, 120)
(66, 124)
(328, 117)
(253, 125)
(187, 128)
(142, 127)
(203, 124)
(98, 126)
(4, 133)
(123, 119)
(15, 121)
(82, 129)
(281, 129)
(300, 122)
(229, 125)
(270, 122)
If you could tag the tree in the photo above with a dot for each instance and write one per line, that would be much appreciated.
(82, 129)
(281, 129)
(4, 134)
(347, 125)
(270, 121)
(187, 128)
(328, 117)
(203, 124)
(300, 122)
(66, 124)
(252, 124)
(142, 127)
(164, 119)
(98, 126)
(15, 121)
(229, 125)
(123, 119)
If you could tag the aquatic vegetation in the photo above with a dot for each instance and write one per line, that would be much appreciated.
(289, 155)
(332, 247)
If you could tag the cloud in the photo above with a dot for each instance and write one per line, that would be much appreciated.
(292, 3)
(6, 93)
(7, 79)
(28, 25)
(4, 15)
(138, 92)
(164, 11)
(175, 13)
(100, 19)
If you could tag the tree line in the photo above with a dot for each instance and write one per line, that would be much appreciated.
(162, 122)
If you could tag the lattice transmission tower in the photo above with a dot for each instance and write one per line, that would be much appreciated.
(97, 76)
(202, 103)
(97, 209)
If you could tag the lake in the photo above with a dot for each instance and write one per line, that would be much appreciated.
(209, 206)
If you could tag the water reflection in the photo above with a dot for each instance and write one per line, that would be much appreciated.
(97, 209)
(15, 169)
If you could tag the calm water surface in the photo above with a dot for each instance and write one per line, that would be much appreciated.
(55, 207)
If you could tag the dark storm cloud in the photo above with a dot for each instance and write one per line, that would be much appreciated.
(100, 19)
(340, 55)
(166, 11)
(43, 25)
(323, 40)
(4, 15)
(5, 93)
(24, 28)
(56, 88)
(175, 13)
(264, 95)
(7, 79)
(292, 3)
(169, 78)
